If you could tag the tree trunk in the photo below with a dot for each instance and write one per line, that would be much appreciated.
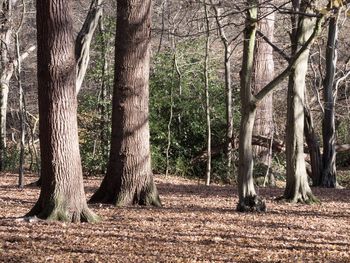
(328, 125)
(263, 74)
(6, 70)
(248, 199)
(228, 91)
(83, 41)
(297, 187)
(313, 147)
(129, 177)
(207, 96)
(62, 194)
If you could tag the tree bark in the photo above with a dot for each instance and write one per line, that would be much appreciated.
(228, 91)
(129, 177)
(313, 147)
(6, 69)
(83, 41)
(62, 194)
(248, 199)
(297, 187)
(328, 125)
(207, 95)
(263, 74)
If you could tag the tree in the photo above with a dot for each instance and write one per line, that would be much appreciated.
(6, 69)
(228, 89)
(328, 125)
(207, 95)
(263, 73)
(129, 176)
(297, 187)
(248, 198)
(83, 40)
(62, 194)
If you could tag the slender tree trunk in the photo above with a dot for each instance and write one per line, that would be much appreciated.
(248, 199)
(328, 125)
(83, 40)
(62, 194)
(297, 187)
(6, 70)
(207, 98)
(104, 95)
(129, 177)
(263, 74)
(228, 91)
(313, 147)
(21, 102)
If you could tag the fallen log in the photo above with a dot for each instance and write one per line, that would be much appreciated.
(277, 146)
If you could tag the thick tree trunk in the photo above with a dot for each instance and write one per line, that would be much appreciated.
(62, 194)
(129, 177)
(248, 199)
(328, 126)
(297, 187)
(263, 74)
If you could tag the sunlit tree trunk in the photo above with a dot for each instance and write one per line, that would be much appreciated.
(297, 187)
(248, 199)
(207, 96)
(228, 90)
(6, 71)
(62, 194)
(129, 178)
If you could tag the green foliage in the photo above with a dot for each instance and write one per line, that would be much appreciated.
(11, 160)
(188, 125)
(94, 134)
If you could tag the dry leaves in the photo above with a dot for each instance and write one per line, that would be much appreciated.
(196, 224)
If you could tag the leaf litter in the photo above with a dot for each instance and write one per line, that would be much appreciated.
(195, 224)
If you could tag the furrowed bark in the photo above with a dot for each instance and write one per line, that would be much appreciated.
(62, 194)
(129, 178)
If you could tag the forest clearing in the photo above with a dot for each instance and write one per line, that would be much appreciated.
(196, 224)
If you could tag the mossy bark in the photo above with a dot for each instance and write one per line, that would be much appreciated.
(129, 178)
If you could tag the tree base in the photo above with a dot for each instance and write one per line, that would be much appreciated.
(63, 214)
(149, 199)
(251, 204)
(308, 199)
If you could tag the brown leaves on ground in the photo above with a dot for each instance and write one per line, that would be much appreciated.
(196, 224)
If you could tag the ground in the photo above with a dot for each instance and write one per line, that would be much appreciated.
(196, 224)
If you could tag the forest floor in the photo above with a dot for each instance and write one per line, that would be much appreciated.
(196, 224)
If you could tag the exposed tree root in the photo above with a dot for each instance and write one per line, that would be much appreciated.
(251, 204)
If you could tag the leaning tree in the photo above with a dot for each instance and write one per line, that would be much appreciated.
(62, 194)
(129, 178)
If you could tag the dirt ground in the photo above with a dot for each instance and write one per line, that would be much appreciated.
(196, 224)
